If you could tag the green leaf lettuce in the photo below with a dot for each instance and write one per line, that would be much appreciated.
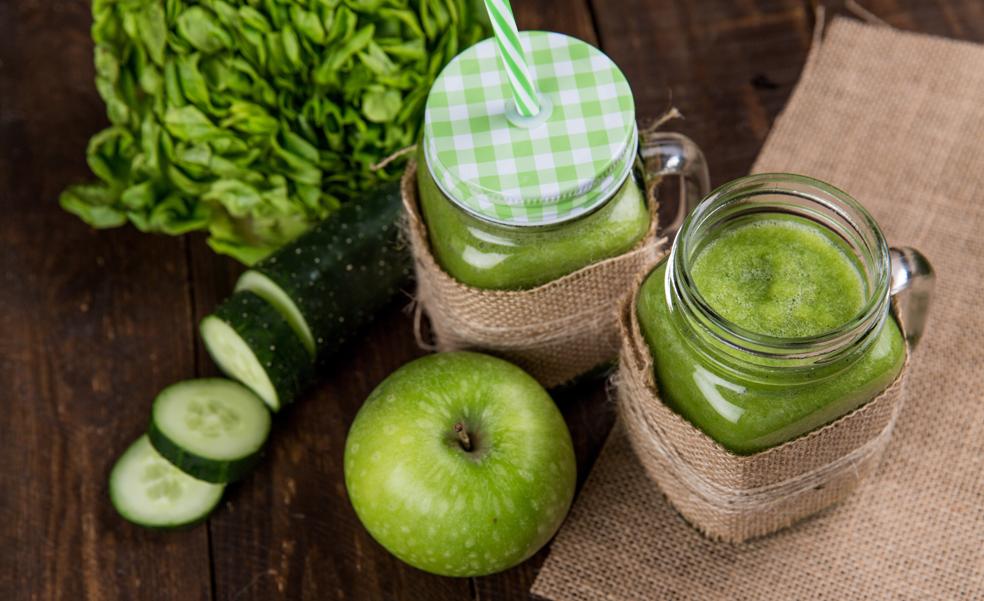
(254, 119)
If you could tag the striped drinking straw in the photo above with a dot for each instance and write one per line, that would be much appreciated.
(512, 56)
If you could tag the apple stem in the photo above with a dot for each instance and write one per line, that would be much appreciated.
(463, 437)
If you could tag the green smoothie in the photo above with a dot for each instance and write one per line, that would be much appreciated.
(491, 256)
(775, 276)
(779, 277)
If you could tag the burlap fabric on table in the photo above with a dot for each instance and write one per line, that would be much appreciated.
(555, 332)
(897, 120)
(735, 498)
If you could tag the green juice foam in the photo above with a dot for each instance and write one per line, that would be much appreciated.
(780, 277)
(774, 275)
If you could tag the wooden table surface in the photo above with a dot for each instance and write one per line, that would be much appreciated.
(94, 323)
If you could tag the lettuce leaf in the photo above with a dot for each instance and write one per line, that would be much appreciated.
(255, 119)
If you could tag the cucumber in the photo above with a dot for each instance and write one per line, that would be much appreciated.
(211, 429)
(331, 280)
(251, 342)
(147, 490)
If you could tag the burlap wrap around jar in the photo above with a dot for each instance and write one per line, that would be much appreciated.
(556, 331)
(732, 497)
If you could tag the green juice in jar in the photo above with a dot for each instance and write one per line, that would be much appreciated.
(512, 202)
(779, 276)
(492, 256)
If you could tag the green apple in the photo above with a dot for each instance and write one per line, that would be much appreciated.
(460, 464)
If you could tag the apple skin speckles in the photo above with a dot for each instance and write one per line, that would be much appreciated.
(445, 509)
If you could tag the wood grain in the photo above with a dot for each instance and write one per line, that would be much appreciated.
(959, 19)
(727, 66)
(588, 414)
(93, 324)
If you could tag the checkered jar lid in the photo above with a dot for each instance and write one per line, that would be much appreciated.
(561, 163)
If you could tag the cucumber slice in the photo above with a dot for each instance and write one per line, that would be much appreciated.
(251, 342)
(331, 280)
(212, 429)
(147, 490)
(264, 287)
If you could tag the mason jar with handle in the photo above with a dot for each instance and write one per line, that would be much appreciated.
(514, 201)
(772, 315)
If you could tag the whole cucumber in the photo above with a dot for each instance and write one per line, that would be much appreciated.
(250, 341)
(332, 280)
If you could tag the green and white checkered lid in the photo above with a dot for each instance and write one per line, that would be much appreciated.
(562, 163)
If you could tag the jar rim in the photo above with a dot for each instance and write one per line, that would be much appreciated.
(604, 189)
(855, 221)
(611, 189)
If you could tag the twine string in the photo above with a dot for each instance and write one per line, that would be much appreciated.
(859, 11)
(636, 391)
(732, 499)
(389, 159)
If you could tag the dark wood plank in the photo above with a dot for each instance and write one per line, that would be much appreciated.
(288, 531)
(728, 66)
(589, 414)
(92, 325)
(629, 41)
(572, 17)
(958, 19)
(586, 408)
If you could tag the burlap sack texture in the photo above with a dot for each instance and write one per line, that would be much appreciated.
(897, 120)
(735, 498)
(536, 329)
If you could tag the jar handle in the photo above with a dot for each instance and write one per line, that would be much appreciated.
(669, 153)
(913, 275)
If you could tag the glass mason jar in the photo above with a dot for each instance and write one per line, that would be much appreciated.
(750, 390)
(489, 254)
(512, 202)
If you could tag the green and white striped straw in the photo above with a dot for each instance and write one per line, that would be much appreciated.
(512, 56)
